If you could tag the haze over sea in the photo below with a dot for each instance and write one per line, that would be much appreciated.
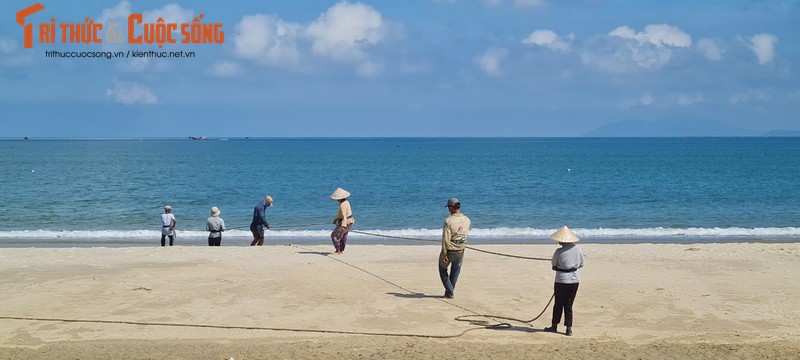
(111, 192)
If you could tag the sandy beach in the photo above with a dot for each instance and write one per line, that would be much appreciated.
(687, 301)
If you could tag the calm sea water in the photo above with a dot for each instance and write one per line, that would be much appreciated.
(112, 192)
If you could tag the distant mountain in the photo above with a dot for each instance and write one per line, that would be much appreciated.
(782, 133)
(675, 127)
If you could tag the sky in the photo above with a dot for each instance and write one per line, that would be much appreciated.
(430, 68)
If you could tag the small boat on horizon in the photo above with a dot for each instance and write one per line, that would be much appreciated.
(198, 138)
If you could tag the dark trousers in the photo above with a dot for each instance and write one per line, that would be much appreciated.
(171, 239)
(565, 296)
(214, 241)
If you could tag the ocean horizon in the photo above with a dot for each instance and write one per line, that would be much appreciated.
(111, 192)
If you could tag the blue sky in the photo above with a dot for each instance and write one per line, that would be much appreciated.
(409, 68)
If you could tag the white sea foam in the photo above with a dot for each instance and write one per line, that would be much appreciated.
(658, 232)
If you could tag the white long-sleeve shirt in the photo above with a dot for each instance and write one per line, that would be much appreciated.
(568, 257)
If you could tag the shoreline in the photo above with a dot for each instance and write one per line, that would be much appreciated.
(240, 241)
(636, 300)
(245, 242)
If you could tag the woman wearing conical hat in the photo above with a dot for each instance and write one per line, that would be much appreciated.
(343, 220)
(566, 261)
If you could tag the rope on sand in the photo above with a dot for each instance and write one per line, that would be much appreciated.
(229, 327)
(299, 226)
(483, 324)
(468, 247)
(396, 237)
(501, 325)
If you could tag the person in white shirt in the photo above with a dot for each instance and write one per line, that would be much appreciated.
(167, 226)
(566, 261)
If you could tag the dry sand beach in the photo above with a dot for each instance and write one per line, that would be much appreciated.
(639, 301)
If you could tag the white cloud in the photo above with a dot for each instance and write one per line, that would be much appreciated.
(369, 69)
(709, 49)
(763, 45)
(7, 46)
(171, 13)
(605, 58)
(117, 18)
(529, 3)
(688, 99)
(345, 30)
(415, 67)
(133, 65)
(267, 39)
(343, 33)
(11, 57)
(650, 57)
(549, 39)
(522, 4)
(646, 99)
(736, 99)
(490, 61)
(619, 58)
(121, 11)
(492, 2)
(651, 48)
(226, 69)
(655, 34)
(131, 93)
(749, 96)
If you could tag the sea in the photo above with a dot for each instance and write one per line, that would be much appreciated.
(111, 192)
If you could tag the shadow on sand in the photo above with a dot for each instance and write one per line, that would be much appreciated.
(415, 295)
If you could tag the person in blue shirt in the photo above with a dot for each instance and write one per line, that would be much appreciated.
(260, 221)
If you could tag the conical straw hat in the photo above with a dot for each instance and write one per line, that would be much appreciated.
(564, 235)
(340, 194)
